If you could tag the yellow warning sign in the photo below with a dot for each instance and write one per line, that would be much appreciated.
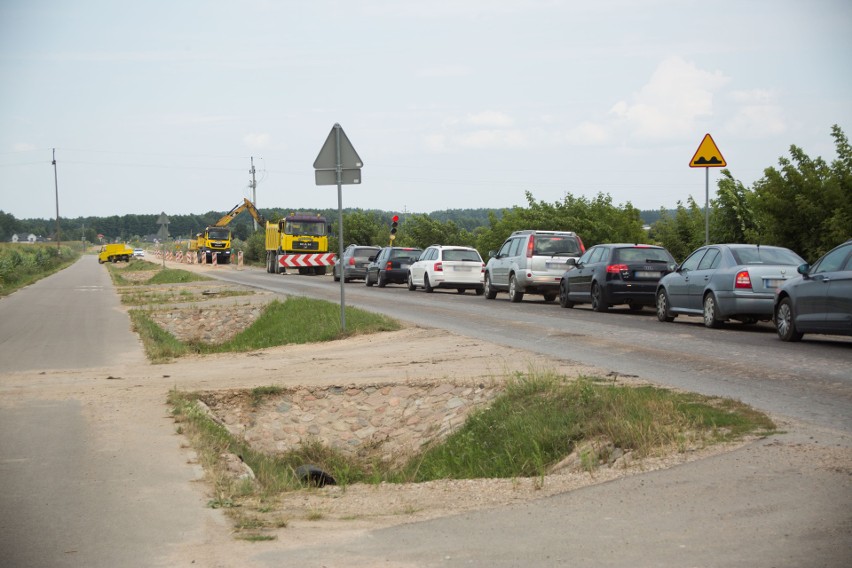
(707, 155)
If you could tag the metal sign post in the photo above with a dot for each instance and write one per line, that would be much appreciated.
(337, 164)
(707, 156)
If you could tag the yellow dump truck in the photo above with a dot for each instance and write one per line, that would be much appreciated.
(115, 253)
(298, 241)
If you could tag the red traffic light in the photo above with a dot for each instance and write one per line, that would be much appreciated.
(395, 218)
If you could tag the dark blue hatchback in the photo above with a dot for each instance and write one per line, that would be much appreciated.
(611, 274)
(819, 300)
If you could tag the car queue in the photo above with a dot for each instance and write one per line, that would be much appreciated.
(746, 283)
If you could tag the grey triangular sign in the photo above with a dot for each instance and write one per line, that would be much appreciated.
(327, 157)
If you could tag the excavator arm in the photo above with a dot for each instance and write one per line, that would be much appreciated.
(239, 208)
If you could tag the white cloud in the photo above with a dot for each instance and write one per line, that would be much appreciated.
(758, 115)
(490, 118)
(588, 134)
(677, 95)
(257, 140)
(493, 139)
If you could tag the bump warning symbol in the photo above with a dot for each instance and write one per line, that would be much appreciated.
(707, 155)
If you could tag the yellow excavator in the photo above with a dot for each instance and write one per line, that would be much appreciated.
(216, 239)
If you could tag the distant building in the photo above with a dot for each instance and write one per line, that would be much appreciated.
(24, 238)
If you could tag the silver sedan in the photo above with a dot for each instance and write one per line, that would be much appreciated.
(724, 282)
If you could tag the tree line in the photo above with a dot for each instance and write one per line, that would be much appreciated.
(803, 203)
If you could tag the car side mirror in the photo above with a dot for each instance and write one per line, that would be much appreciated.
(803, 269)
(572, 262)
(492, 254)
(372, 258)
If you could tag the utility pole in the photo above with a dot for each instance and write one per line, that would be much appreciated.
(56, 185)
(253, 190)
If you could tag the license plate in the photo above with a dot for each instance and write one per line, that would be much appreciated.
(555, 264)
(646, 274)
(461, 269)
(403, 265)
(773, 282)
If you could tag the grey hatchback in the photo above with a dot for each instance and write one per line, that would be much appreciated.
(722, 282)
(355, 261)
(819, 300)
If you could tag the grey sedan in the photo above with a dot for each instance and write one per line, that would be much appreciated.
(724, 282)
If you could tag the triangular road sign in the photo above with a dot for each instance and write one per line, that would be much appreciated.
(327, 158)
(707, 155)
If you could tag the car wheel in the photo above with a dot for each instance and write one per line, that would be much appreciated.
(426, 285)
(380, 280)
(335, 276)
(480, 291)
(367, 281)
(635, 307)
(598, 303)
(549, 297)
(563, 295)
(784, 321)
(663, 313)
(515, 295)
(711, 314)
(488, 289)
(411, 286)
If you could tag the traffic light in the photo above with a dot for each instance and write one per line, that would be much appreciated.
(394, 223)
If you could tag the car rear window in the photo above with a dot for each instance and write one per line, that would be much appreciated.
(471, 255)
(764, 255)
(642, 254)
(365, 251)
(556, 244)
(413, 254)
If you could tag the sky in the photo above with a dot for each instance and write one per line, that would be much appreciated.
(161, 106)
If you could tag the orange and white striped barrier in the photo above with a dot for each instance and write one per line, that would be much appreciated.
(215, 258)
(239, 258)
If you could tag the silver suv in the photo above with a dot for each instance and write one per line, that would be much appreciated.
(531, 262)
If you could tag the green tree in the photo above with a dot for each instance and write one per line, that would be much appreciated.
(806, 204)
(595, 221)
(732, 218)
(682, 233)
(422, 231)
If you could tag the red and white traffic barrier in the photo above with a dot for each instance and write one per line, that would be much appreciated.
(306, 260)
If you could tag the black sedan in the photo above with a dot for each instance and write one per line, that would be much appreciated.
(611, 274)
(391, 266)
(819, 300)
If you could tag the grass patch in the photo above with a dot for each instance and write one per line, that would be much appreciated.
(131, 297)
(294, 321)
(161, 276)
(538, 420)
(21, 264)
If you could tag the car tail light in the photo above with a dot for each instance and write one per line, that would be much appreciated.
(616, 268)
(389, 265)
(743, 280)
(582, 246)
(439, 267)
(530, 246)
(351, 261)
(483, 267)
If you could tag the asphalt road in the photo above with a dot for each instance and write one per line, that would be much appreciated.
(78, 489)
(79, 493)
